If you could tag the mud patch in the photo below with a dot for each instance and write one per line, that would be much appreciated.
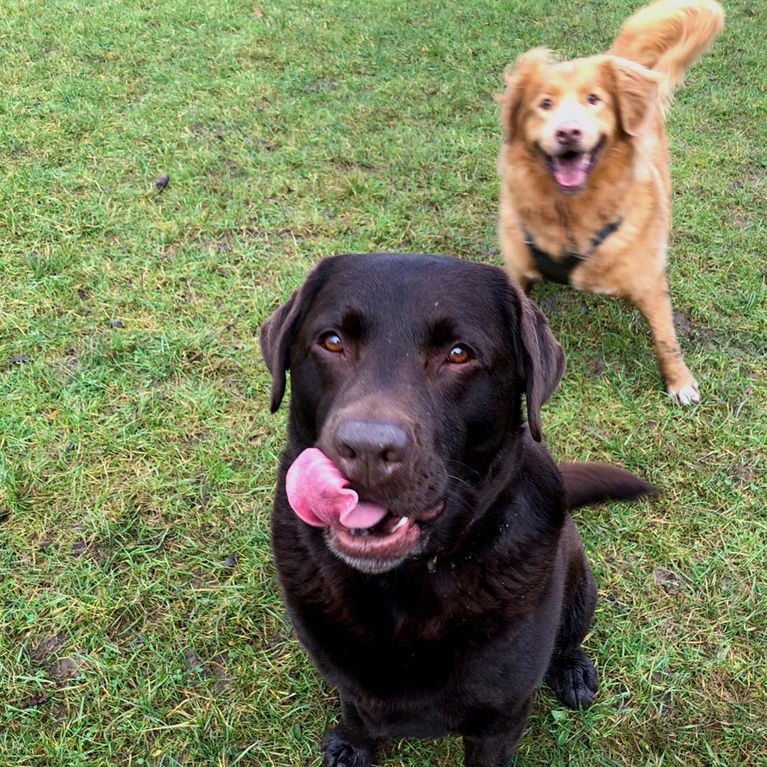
(68, 668)
(39, 699)
(44, 647)
(667, 579)
(687, 327)
(214, 670)
(744, 475)
(595, 367)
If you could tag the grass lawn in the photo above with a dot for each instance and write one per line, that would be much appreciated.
(140, 620)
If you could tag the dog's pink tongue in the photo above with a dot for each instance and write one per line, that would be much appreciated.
(319, 494)
(571, 171)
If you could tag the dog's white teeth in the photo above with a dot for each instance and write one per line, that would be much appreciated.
(402, 522)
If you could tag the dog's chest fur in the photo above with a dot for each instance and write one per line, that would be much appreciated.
(435, 628)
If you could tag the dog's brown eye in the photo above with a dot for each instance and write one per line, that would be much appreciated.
(458, 355)
(547, 103)
(593, 98)
(332, 342)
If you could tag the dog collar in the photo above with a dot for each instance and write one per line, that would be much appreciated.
(559, 270)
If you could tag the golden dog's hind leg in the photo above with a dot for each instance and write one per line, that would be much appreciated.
(655, 305)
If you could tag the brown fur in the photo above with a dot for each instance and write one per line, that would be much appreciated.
(630, 178)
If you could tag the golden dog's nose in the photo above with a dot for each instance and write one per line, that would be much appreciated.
(568, 133)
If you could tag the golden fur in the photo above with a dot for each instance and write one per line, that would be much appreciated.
(585, 145)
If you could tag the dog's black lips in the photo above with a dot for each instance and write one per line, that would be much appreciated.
(386, 544)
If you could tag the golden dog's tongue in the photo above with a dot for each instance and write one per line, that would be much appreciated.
(571, 170)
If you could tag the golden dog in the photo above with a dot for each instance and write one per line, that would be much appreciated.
(586, 189)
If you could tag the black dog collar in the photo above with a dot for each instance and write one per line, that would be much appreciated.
(559, 270)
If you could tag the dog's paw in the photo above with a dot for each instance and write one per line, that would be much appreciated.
(687, 394)
(338, 752)
(573, 679)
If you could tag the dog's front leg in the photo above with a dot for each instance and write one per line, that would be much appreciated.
(655, 305)
(497, 750)
(349, 745)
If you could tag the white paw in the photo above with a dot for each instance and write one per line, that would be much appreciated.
(687, 395)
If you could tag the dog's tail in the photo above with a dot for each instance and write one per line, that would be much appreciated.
(668, 36)
(587, 483)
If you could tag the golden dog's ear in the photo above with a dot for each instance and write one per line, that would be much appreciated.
(542, 361)
(279, 332)
(518, 78)
(635, 89)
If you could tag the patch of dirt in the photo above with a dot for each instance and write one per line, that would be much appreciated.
(667, 579)
(739, 219)
(687, 327)
(744, 475)
(595, 367)
(44, 647)
(218, 673)
(39, 699)
(320, 85)
(68, 668)
(193, 662)
(682, 323)
(723, 685)
(215, 669)
(60, 713)
(79, 548)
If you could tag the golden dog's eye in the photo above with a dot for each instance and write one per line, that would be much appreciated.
(332, 342)
(546, 103)
(593, 98)
(459, 355)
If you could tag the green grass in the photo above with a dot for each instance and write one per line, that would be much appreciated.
(140, 619)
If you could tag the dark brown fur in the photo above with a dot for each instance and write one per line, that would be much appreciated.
(497, 595)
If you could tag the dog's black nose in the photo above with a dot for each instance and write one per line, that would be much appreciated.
(370, 451)
(569, 133)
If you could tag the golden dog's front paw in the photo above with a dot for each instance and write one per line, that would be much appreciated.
(685, 393)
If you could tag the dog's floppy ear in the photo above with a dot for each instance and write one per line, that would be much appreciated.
(517, 79)
(635, 89)
(279, 332)
(542, 359)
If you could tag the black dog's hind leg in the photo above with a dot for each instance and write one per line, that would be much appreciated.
(348, 745)
(571, 674)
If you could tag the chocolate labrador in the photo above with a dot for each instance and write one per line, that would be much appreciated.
(469, 586)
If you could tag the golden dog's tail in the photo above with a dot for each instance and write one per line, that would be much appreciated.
(668, 36)
(587, 483)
